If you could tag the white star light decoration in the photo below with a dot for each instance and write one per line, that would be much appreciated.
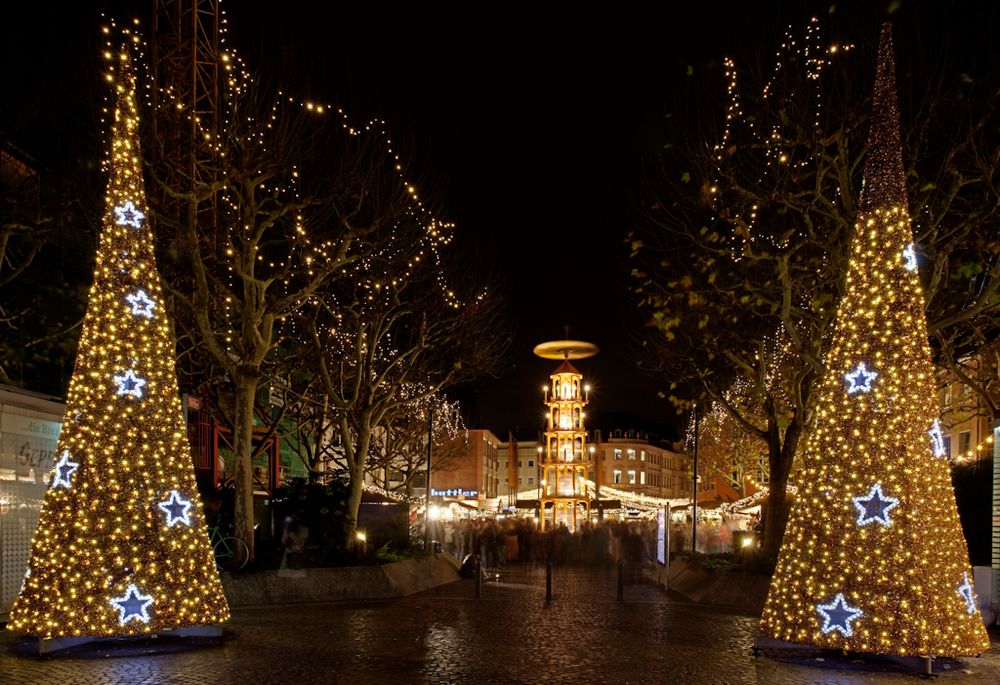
(129, 384)
(875, 506)
(142, 305)
(937, 440)
(837, 615)
(860, 379)
(63, 471)
(128, 215)
(910, 258)
(176, 509)
(132, 605)
(965, 592)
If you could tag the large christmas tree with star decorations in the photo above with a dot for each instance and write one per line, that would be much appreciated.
(121, 546)
(873, 559)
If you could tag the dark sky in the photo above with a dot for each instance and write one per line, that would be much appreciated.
(531, 123)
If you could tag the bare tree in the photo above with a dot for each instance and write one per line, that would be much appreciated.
(396, 333)
(400, 456)
(281, 202)
(726, 448)
(45, 225)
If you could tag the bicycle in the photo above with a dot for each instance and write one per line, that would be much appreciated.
(231, 553)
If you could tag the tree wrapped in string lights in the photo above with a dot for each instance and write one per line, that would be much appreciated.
(121, 546)
(873, 559)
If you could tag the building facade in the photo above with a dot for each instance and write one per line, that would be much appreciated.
(524, 480)
(965, 420)
(636, 462)
(473, 475)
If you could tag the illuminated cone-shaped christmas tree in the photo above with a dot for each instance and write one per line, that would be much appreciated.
(873, 559)
(121, 546)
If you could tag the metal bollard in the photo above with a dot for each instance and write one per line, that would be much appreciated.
(479, 579)
(621, 581)
(548, 582)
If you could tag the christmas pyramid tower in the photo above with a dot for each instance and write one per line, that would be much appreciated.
(121, 546)
(873, 559)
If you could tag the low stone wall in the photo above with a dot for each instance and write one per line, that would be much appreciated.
(736, 589)
(350, 582)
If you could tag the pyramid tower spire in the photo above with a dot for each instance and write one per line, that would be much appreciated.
(873, 559)
(121, 546)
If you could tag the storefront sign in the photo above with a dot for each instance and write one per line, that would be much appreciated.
(454, 492)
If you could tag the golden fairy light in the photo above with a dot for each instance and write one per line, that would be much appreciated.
(121, 546)
(873, 558)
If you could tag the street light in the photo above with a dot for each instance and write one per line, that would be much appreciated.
(538, 479)
(694, 486)
(597, 479)
(427, 483)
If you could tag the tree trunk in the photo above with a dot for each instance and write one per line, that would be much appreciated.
(781, 454)
(356, 486)
(243, 518)
(354, 493)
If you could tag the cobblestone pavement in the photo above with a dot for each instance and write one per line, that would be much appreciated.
(509, 636)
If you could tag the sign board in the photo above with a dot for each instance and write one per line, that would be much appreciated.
(28, 440)
(454, 492)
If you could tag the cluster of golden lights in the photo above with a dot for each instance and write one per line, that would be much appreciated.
(874, 559)
(108, 557)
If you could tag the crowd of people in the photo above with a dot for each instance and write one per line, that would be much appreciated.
(499, 541)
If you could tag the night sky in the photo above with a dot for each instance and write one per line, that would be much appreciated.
(531, 124)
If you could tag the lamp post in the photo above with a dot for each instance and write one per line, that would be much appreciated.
(427, 480)
(694, 486)
(597, 480)
(538, 480)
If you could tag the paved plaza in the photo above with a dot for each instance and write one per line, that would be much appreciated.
(509, 636)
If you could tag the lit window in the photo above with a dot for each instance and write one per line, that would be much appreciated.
(616, 476)
(631, 477)
(631, 454)
(642, 455)
(642, 478)
(964, 441)
(618, 454)
(946, 397)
